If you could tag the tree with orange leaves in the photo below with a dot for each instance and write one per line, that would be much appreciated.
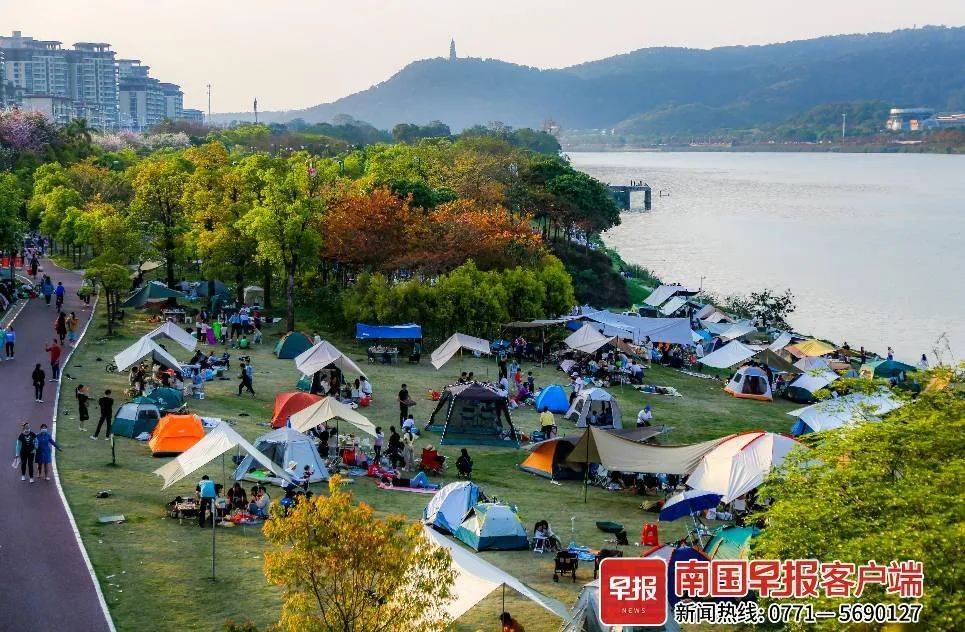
(368, 230)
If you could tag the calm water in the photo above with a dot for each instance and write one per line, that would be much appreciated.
(871, 244)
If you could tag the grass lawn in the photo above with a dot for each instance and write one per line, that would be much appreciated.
(154, 572)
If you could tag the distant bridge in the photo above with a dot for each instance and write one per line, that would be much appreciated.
(621, 194)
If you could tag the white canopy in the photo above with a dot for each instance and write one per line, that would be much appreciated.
(740, 463)
(221, 439)
(329, 408)
(476, 579)
(737, 330)
(450, 347)
(175, 333)
(637, 328)
(322, 355)
(732, 353)
(673, 305)
(839, 411)
(586, 339)
(814, 380)
(660, 296)
(813, 363)
(141, 349)
(781, 341)
(705, 311)
(619, 454)
(716, 317)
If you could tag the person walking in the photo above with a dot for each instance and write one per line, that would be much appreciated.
(207, 493)
(404, 402)
(71, 322)
(45, 443)
(377, 445)
(83, 399)
(9, 342)
(59, 292)
(25, 450)
(54, 349)
(60, 326)
(38, 377)
(246, 379)
(106, 405)
(47, 289)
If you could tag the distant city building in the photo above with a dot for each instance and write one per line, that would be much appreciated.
(142, 101)
(173, 101)
(908, 119)
(944, 121)
(193, 115)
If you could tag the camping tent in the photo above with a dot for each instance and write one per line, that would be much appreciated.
(164, 397)
(175, 333)
(620, 454)
(813, 347)
(553, 398)
(586, 339)
(663, 293)
(674, 305)
(597, 401)
(409, 331)
(839, 411)
(151, 292)
(732, 353)
(548, 459)
(492, 526)
(141, 349)
(775, 362)
(323, 355)
(885, 369)
(454, 344)
(638, 328)
(749, 382)
(812, 363)
(449, 506)
(175, 433)
(781, 341)
(674, 554)
(731, 543)
(803, 388)
(739, 463)
(134, 418)
(287, 404)
(292, 344)
(738, 330)
(254, 295)
(283, 447)
(326, 409)
(474, 414)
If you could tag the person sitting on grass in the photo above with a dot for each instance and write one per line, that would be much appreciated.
(237, 499)
(464, 464)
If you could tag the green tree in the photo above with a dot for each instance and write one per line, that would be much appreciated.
(112, 278)
(12, 225)
(158, 207)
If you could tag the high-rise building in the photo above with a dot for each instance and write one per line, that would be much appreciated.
(173, 101)
(142, 102)
(193, 115)
(93, 80)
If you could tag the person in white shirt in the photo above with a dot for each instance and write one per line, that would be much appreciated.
(365, 386)
(644, 417)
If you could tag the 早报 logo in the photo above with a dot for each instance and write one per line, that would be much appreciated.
(633, 591)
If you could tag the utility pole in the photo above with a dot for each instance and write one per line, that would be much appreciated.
(844, 124)
(209, 104)
(256, 110)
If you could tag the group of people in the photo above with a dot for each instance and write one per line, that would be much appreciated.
(239, 327)
(34, 448)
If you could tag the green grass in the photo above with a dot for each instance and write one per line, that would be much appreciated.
(154, 571)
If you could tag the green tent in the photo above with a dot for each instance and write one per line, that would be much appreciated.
(136, 417)
(292, 344)
(165, 398)
(731, 543)
(152, 292)
(885, 369)
(304, 383)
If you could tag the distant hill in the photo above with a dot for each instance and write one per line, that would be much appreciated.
(668, 90)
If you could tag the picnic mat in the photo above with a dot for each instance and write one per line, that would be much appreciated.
(414, 490)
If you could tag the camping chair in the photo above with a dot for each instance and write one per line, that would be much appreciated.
(566, 563)
(431, 462)
(539, 543)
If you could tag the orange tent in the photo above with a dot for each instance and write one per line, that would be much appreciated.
(175, 433)
(548, 459)
(287, 404)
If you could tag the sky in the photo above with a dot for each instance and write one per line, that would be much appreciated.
(297, 53)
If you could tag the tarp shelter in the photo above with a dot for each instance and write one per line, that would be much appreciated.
(283, 447)
(885, 369)
(203, 288)
(151, 292)
(731, 543)
(287, 404)
(409, 331)
(814, 347)
(142, 348)
(738, 330)
(548, 459)
(324, 355)
(839, 411)
(327, 409)
(553, 398)
(739, 463)
(775, 362)
(449, 506)
(749, 382)
(254, 295)
(618, 454)
(586, 339)
(665, 292)
(454, 344)
(474, 414)
(292, 344)
(174, 434)
(492, 527)
(781, 341)
(803, 388)
(596, 401)
(716, 317)
(221, 439)
(175, 333)
(164, 397)
(639, 328)
(674, 305)
(733, 353)
(134, 418)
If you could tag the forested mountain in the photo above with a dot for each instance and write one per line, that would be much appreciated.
(670, 90)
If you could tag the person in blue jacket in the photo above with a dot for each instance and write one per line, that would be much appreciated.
(44, 452)
(47, 289)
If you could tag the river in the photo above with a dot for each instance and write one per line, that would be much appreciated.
(871, 245)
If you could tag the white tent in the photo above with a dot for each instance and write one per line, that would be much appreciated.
(449, 506)
(476, 579)
(620, 454)
(585, 615)
(284, 447)
(814, 380)
(451, 347)
(732, 353)
(594, 400)
(221, 439)
(737, 330)
(813, 363)
(663, 293)
(716, 317)
(141, 349)
(750, 382)
(329, 408)
(253, 294)
(175, 333)
(839, 411)
(674, 304)
(586, 339)
(781, 341)
(705, 311)
(322, 355)
(739, 464)
(638, 328)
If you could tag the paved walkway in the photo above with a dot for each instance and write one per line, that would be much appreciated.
(46, 581)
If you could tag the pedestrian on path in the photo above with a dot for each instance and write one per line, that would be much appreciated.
(25, 450)
(60, 326)
(39, 377)
(47, 289)
(106, 404)
(54, 349)
(247, 373)
(9, 342)
(44, 452)
(71, 322)
(83, 398)
(59, 292)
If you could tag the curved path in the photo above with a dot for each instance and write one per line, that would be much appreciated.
(48, 583)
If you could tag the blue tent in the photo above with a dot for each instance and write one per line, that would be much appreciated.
(554, 398)
(492, 526)
(410, 331)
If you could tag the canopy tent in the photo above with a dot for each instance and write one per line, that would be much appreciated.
(781, 341)
(663, 293)
(739, 463)
(639, 328)
(673, 305)
(289, 451)
(221, 439)
(135, 418)
(738, 330)
(598, 402)
(151, 292)
(254, 295)
(175, 333)
(885, 369)
(175, 434)
(540, 323)
(292, 344)
(623, 455)
(326, 409)
(734, 352)
(553, 398)
(803, 388)
(449, 506)
(750, 382)
(814, 347)
(812, 363)
(839, 411)
(323, 355)
(716, 317)
(586, 339)
(287, 404)
(775, 362)
(474, 414)
(493, 527)
(203, 288)
(548, 459)
(454, 344)
(142, 348)
(164, 397)
(409, 331)
(731, 543)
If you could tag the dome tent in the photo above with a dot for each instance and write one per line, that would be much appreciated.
(492, 526)
(164, 397)
(548, 459)
(597, 401)
(283, 447)
(287, 404)
(553, 398)
(134, 418)
(750, 382)
(450, 505)
(740, 463)
(292, 344)
(176, 433)
(473, 414)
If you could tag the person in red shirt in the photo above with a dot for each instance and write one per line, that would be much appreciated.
(54, 349)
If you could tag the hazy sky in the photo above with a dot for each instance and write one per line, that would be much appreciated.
(297, 53)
